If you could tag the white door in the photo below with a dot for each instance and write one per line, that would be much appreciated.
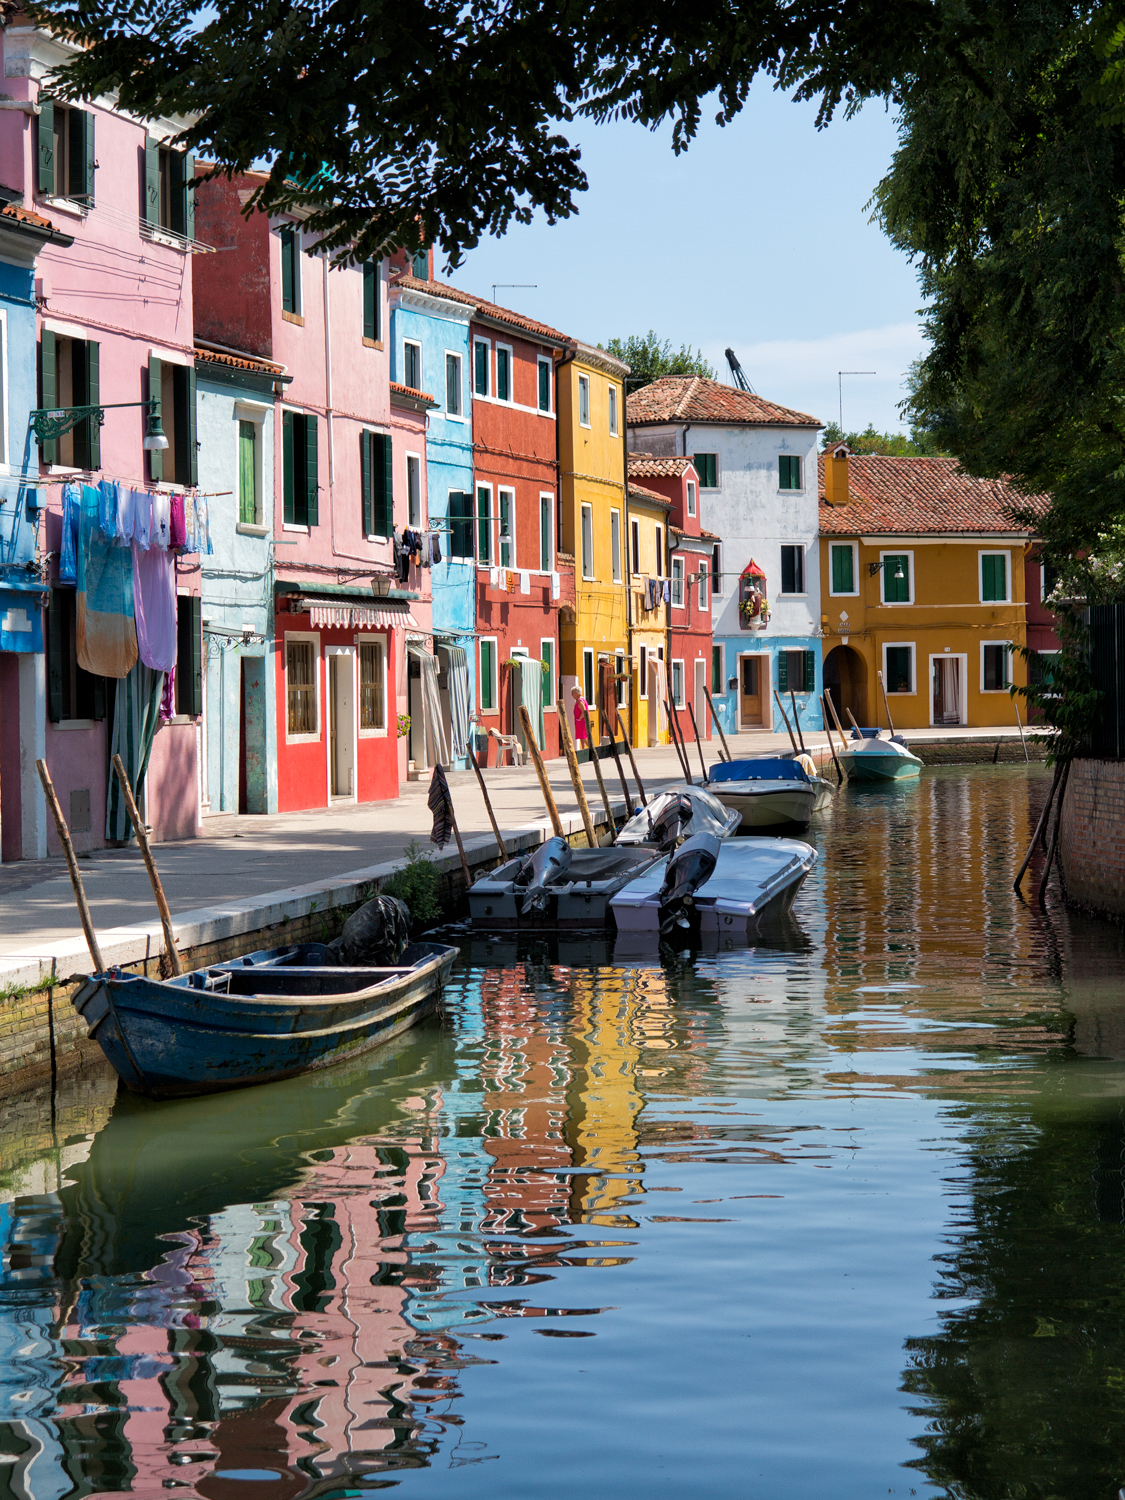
(700, 700)
(948, 678)
(341, 662)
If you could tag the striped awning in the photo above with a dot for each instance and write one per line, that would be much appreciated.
(340, 616)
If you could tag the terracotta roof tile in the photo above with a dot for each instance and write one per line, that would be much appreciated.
(488, 309)
(648, 466)
(638, 492)
(691, 398)
(25, 216)
(411, 393)
(920, 495)
(238, 361)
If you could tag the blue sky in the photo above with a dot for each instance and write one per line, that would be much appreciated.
(758, 237)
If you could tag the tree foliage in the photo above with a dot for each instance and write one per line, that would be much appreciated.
(918, 443)
(649, 359)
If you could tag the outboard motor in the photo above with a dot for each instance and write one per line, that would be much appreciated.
(376, 934)
(690, 867)
(546, 864)
(672, 824)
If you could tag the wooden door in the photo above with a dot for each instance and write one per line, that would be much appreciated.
(751, 692)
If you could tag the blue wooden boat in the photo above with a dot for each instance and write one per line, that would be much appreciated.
(267, 1015)
(867, 756)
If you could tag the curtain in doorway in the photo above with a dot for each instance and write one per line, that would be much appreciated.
(136, 718)
(433, 730)
(531, 696)
(458, 698)
(660, 690)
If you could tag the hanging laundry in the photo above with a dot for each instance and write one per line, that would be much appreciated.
(108, 500)
(161, 518)
(135, 722)
(168, 697)
(154, 605)
(105, 632)
(177, 522)
(68, 550)
(203, 526)
(401, 558)
(142, 519)
(435, 548)
(666, 592)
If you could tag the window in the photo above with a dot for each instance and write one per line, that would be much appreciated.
(707, 467)
(460, 524)
(376, 483)
(996, 674)
(615, 543)
(546, 533)
(635, 544)
(420, 265)
(691, 506)
(1041, 669)
(588, 675)
(189, 655)
(300, 468)
(587, 543)
(716, 669)
(453, 384)
(613, 410)
(503, 373)
(412, 364)
(481, 350)
(488, 692)
(658, 533)
(792, 570)
(68, 376)
(842, 568)
(584, 400)
(249, 491)
(544, 385)
(1048, 579)
(678, 581)
(484, 525)
(993, 577)
(789, 472)
(300, 686)
(898, 668)
(72, 693)
(506, 505)
(371, 302)
(547, 657)
(702, 596)
(372, 685)
(642, 674)
(796, 671)
(291, 302)
(717, 569)
(65, 152)
(896, 577)
(678, 683)
(174, 386)
(414, 490)
(620, 681)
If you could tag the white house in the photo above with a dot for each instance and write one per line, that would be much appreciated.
(757, 466)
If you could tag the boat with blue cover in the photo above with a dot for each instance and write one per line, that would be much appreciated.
(775, 792)
(266, 1015)
(868, 756)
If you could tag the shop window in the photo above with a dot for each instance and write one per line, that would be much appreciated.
(372, 685)
(300, 686)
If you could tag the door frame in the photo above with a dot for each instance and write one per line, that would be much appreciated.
(963, 705)
(699, 675)
(767, 704)
(330, 721)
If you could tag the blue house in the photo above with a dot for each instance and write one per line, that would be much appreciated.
(430, 352)
(23, 667)
(235, 397)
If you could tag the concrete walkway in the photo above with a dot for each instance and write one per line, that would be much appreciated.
(248, 871)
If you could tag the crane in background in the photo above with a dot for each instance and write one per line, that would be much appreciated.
(736, 370)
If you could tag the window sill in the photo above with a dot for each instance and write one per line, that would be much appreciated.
(244, 528)
(66, 206)
(853, 595)
(374, 538)
(372, 343)
(288, 317)
(790, 492)
(373, 734)
(157, 234)
(67, 724)
(291, 526)
(302, 739)
(455, 416)
(792, 596)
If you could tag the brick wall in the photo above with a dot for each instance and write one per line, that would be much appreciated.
(1092, 837)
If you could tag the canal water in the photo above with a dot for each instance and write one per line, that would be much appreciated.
(841, 1215)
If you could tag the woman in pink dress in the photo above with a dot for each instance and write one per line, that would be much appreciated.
(581, 709)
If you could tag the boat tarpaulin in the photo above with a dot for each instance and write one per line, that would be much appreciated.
(458, 698)
(433, 730)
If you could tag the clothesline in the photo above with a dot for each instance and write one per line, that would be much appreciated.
(86, 476)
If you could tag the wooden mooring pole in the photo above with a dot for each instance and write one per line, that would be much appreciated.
(715, 721)
(632, 762)
(150, 865)
(540, 771)
(72, 866)
(576, 782)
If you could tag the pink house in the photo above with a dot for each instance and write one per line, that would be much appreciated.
(409, 424)
(114, 315)
(341, 616)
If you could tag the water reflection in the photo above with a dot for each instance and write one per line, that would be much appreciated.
(742, 1163)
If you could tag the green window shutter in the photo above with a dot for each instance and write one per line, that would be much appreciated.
(716, 669)
(48, 390)
(994, 578)
(365, 483)
(189, 426)
(93, 431)
(45, 142)
(288, 467)
(544, 386)
(312, 473)
(460, 524)
(56, 624)
(97, 695)
(383, 474)
(150, 193)
(809, 684)
(843, 570)
(155, 388)
(189, 194)
(783, 671)
(480, 368)
(247, 473)
(896, 590)
(189, 655)
(484, 528)
(420, 266)
(370, 300)
(288, 276)
(80, 141)
(487, 671)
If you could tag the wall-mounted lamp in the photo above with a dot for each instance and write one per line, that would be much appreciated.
(898, 573)
(54, 423)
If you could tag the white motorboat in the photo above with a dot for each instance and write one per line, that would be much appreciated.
(695, 809)
(775, 793)
(867, 756)
(716, 889)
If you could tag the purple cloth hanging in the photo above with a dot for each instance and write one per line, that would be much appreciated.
(177, 536)
(168, 697)
(154, 604)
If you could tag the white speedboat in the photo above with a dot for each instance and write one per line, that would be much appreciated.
(867, 756)
(674, 814)
(716, 889)
(769, 793)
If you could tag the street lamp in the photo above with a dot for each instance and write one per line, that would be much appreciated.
(48, 424)
(898, 573)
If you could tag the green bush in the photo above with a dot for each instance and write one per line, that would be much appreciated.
(416, 884)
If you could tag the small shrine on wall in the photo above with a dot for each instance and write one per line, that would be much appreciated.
(753, 606)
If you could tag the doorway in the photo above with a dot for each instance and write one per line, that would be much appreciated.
(341, 721)
(948, 674)
(845, 677)
(753, 683)
(252, 736)
(700, 698)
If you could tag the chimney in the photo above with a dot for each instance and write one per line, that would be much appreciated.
(836, 475)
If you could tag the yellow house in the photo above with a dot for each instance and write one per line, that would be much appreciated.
(922, 579)
(593, 644)
(647, 542)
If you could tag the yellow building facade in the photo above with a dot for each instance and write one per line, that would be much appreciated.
(923, 580)
(650, 687)
(593, 638)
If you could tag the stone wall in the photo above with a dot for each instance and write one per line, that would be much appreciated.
(1092, 837)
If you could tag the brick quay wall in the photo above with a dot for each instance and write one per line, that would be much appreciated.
(1092, 836)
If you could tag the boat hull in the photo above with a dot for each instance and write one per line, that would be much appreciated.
(769, 805)
(170, 1039)
(577, 900)
(865, 766)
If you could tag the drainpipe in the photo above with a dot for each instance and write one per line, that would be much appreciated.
(328, 401)
(568, 355)
(625, 545)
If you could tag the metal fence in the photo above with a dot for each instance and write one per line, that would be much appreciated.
(1106, 624)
